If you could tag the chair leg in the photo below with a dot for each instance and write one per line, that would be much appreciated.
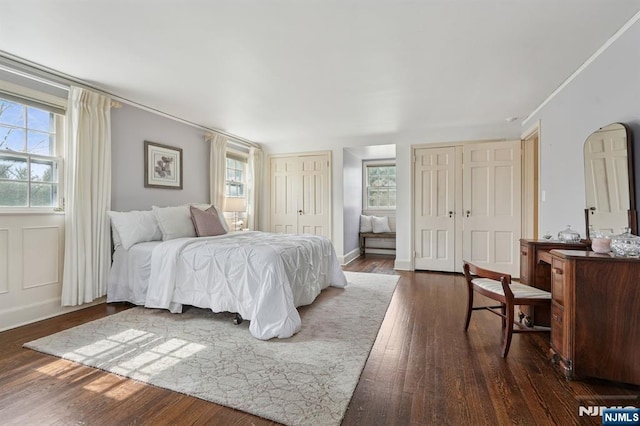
(469, 305)
(503, 310)
(508, 330)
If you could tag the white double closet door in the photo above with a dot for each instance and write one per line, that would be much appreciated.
(467, 205)
(300, 199)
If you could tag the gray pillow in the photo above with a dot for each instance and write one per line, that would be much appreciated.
(206, 222)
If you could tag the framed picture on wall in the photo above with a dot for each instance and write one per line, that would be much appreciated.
(162, 166)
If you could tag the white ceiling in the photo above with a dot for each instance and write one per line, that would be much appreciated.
(296, 70)
(376, 152)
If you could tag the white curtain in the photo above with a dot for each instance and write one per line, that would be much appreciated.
(87, 248)
(217, 171)
(254, 179)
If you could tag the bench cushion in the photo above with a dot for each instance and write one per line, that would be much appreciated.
(519, 290)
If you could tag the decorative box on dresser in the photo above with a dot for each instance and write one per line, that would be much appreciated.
(535, 270)
(595, 315)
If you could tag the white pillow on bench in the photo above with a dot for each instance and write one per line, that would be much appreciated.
(380, 224)
(365, 223)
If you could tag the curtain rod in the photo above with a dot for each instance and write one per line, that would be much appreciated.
(45, 75)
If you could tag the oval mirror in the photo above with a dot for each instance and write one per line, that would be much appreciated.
(608, 167)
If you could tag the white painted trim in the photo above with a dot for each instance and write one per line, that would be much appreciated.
(459, 202)
(33, 95)
(403, 265)
(301, 154)
(452, 143)
(588, 62)
(390, 251)
(349, 257)
(365, 164)
(532, 130)
(412, 208)
(23, 315)
(530, 182)
(4, 288)
(20, 211)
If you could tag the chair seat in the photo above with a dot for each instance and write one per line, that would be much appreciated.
(519, 290)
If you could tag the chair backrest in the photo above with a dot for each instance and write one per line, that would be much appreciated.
(471, 270)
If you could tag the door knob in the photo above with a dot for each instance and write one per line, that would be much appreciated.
(299, 212)
(451, 214)
(468, 213)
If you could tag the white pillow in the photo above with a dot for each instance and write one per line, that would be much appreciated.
(380, 224)
(134, 227)
(365, 223)
(115, 238)
(174, 222)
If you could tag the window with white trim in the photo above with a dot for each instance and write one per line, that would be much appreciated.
(379, 185)
(29, 167)
(236, 181)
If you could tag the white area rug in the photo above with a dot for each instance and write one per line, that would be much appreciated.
(307, 379)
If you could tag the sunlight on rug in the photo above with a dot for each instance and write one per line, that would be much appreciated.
(307, 379)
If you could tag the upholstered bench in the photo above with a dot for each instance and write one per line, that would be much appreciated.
(365, 235)
(377, 227)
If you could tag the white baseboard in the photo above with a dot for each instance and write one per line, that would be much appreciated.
(349, 257)
(380, 251)
(403, 265)
(23, 315)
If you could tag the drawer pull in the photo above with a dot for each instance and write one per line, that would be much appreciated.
(557, 318)
(557, 271)
(523, 253)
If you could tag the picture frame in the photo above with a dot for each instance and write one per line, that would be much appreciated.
(162, 166)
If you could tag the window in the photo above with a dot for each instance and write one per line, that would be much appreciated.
(380, 186)
(236, 176)
(29, 168)
(236, 204)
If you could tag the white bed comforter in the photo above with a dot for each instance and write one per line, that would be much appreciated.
(261, 276)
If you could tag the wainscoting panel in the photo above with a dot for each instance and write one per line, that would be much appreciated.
(41, 257)
(31, 264)
(4, 261)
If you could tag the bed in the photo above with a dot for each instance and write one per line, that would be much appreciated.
(261, 276)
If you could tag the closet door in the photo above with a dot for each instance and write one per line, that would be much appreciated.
(434, 208)
(300, 199)
(284, 195)
(491, 205)
(314, 215)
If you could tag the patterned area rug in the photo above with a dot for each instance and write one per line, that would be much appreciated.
(307, 379)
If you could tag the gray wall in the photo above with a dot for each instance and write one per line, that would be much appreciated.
(606, 91)
(130, 127)
(352, 208)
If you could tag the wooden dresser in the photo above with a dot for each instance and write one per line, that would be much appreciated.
(595, 315)
(535, 270)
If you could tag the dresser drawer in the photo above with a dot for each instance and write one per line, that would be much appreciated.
(558, 277)
(557, 329)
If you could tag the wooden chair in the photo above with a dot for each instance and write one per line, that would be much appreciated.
(499, 287)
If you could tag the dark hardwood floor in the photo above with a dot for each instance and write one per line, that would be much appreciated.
(422, 370)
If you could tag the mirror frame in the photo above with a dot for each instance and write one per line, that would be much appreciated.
(632, 219)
